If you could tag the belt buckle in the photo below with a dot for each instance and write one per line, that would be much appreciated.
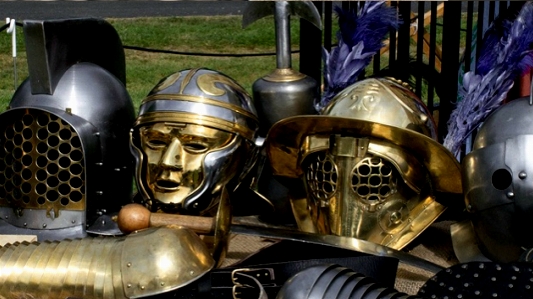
(249, 280)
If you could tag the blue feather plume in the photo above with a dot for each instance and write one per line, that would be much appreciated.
(497, 69)
(360, 36)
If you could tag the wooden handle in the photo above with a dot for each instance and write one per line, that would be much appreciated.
(133, 217)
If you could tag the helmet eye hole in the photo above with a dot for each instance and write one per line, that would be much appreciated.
(501, 179)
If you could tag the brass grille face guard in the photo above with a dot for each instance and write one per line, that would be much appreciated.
(41, 164)
(373, 180)
(322, 176)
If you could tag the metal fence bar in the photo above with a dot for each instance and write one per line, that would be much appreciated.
(404, 41)
(432, 46)
(420, 45)
(311, 47)
(451, 26)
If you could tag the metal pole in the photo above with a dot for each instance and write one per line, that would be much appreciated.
(12, 29)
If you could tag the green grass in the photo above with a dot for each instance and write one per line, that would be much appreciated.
(186, 34)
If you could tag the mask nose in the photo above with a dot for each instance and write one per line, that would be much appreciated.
(172, 158)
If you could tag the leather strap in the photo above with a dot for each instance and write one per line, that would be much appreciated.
(267, 271)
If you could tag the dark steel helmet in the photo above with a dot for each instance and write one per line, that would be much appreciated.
(194, 134)
(64, 154)
(497, 180)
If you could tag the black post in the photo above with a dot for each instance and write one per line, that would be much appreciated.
(311, 47)
(451, 26)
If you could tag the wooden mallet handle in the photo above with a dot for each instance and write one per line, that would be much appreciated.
(134, 216)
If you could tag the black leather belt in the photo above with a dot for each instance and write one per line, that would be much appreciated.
(264, 273)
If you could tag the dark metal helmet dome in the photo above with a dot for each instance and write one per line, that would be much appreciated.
(64, 139)
(497, 176)
(200, 114)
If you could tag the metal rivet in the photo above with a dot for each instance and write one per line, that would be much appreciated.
(129, 264)
(97, 134)
(191, 272)
(117, 169)
(142, 287)
(162, 283)
(6, 216)
(510, 194)
(522, 175)
(99, 163)
(25, 224)
(129, 285)
(510, 285)
(195, 205)
(44, 224)
(99, 192)
(477, 292)
(73, 221)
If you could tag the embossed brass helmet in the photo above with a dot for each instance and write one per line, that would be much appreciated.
(497, 176)
(195, 133)
(64, 141)
(370, 163)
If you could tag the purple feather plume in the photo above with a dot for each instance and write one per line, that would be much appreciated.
(497, 69)
(360, 36)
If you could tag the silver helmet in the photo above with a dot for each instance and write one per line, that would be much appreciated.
(497, 176)
(64, 154)
(194, 134)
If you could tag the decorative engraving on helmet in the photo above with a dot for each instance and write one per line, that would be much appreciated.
(392, 216)
(187, 80)
(42, 165)
(206, 83)
(165, 83)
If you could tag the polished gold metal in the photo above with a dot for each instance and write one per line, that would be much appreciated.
(371, 164)
(223, 219)
(168, 81)
(146, 263)
(206, 83)
(202, 100)
(284, 75)
(42, 165)
(175, 154)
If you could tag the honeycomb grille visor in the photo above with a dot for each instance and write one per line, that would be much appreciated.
(41, 163)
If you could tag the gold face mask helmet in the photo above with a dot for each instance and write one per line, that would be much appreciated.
(370, 163)
(195, 133)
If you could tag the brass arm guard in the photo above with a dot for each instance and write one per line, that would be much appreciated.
(145, 263)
